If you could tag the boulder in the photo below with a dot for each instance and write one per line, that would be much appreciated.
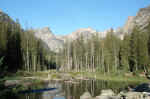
(9, 83)
(107, 92)
(135, 95)
(86, 95)
(107, 97)
(145, 87)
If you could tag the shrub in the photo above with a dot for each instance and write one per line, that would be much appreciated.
(1, 61)
(55, 76)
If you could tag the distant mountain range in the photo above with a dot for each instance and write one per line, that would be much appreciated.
(55, 43)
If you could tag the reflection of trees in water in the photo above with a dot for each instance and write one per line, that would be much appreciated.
(46, 94)
(75, 90)
(30, 96)
(58, 92)
(92, 87)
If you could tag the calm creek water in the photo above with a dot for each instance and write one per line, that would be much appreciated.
(69, 90)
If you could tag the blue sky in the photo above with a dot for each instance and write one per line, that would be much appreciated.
(65, 16)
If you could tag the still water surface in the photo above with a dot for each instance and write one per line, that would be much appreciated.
(69, 90)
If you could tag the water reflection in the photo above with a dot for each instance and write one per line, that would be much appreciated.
(54, 94)
(72, 90)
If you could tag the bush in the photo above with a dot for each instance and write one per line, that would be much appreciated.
(1, 61)
(55, 76)
(23, 73)
(135, 73)
(3, 69)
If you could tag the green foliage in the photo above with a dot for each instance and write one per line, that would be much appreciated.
(109, 54)
(74, 74)
(124, 53)
(23, 73)
(138, 50)
(55, 76)
(23, 51)
(1, 61)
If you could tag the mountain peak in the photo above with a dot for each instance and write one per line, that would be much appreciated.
(85, 32)
(145, 9)
(46, 30)
(81, 30)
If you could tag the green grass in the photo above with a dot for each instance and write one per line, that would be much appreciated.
(11, 78)
(114, 77)
(37, 83)
(55, 76)
(96, 75)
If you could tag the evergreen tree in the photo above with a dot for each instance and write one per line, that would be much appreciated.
(124, 53)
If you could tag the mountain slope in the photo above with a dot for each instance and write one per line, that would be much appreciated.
(141, 19)
(5, 18)
(49, 38)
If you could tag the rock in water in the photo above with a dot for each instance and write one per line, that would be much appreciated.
(107, 97)
(107, 92)
(134, 95)
(86, 95)
(12, 82)
(145, 87)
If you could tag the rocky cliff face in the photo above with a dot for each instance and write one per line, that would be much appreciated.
(84, 32)
(141, 19)
(129, 24)
(49, 38)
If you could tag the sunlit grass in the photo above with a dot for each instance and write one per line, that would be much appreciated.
(42, 75)
(112, 77)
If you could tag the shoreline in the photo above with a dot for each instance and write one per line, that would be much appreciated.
(38, 77)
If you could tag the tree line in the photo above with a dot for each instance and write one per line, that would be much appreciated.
(21, 50)
(109, 54)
